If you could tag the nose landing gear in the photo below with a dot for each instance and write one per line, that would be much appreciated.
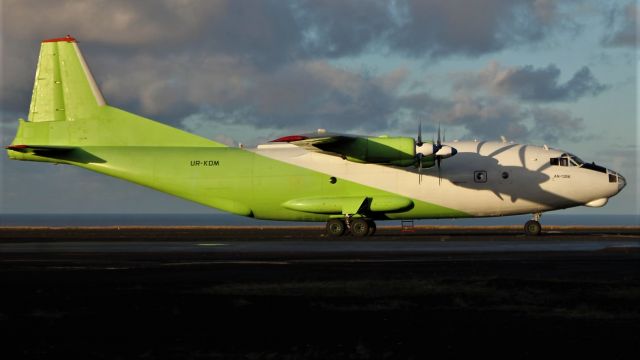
(359, 227)
(533, 227)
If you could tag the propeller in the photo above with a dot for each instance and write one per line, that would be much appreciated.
(438, 151)
(419, 155)
(438, 158)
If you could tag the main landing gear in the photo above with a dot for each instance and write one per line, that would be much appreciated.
(533, 227)
(358, 227)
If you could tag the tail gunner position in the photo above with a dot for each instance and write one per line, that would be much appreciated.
(346, 181)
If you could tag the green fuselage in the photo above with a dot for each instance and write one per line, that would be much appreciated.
(231, 179)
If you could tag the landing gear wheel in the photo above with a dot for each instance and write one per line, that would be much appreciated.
(360, 227)
(532, 228)
(336, 227)
(372, 228)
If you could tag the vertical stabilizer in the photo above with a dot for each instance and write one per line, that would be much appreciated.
(68, 109)
(64, 88)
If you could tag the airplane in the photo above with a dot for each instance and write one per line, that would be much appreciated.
(347, 181)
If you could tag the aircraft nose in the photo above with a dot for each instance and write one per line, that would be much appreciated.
(622, 182)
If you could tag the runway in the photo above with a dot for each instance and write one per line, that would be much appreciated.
(237, 293)
(292, 248)
(310, 242)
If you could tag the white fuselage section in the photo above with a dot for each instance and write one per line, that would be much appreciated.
(482, 179)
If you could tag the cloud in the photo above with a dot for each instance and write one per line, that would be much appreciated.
(529, 83)
(498, 100)
(233, 91)
(553, 125)
(486, 117)
(441, 28)
(268, 64)
(336, 28)
(489, 117)
(259, 36)
(624, 22)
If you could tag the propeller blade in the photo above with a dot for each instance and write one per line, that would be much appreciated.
(419, 141)
(420, 168)
(439, 175)
(438, 144)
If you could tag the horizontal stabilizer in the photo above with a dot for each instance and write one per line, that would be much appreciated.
(52, 153)
(40, 148)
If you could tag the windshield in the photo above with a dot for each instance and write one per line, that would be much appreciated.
(575, 159)
(567, 159)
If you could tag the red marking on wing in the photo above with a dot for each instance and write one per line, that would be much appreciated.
(16, 147)
(290, 138)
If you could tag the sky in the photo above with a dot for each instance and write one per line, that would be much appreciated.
(561, 73)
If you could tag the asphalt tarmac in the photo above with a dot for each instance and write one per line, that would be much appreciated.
(271, 293)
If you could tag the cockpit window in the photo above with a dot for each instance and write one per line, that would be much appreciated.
(576, 160)
(567, 159)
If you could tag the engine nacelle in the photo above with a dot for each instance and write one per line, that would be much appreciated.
(431, 151)
(446, 151)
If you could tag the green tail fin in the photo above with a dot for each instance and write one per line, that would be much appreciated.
(68, 109)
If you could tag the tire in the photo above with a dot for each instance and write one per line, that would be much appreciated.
(360, 227)
(532, 228)
(336, 227)
(372, 228)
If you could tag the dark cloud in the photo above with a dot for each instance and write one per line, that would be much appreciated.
(163, 48)
(553, 125)
(234, 91)
(336, 28)
(441, 28)
(487, 118)
(531, 84)
(268, 63)
(624, 25)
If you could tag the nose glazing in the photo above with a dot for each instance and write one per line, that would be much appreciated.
(622, 182)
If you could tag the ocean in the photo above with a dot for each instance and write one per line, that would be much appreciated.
(62, 220)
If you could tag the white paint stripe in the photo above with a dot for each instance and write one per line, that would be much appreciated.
(463, 195)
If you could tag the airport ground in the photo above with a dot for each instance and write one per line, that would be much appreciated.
(291, 293)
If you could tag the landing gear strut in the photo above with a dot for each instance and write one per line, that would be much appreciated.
(533, 227)
(358, 227)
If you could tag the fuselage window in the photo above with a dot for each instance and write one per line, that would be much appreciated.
(480, 176)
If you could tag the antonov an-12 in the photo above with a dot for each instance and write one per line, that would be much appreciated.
(344, 180)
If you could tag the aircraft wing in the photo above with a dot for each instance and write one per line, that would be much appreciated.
(328, 143)
(398, 150)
